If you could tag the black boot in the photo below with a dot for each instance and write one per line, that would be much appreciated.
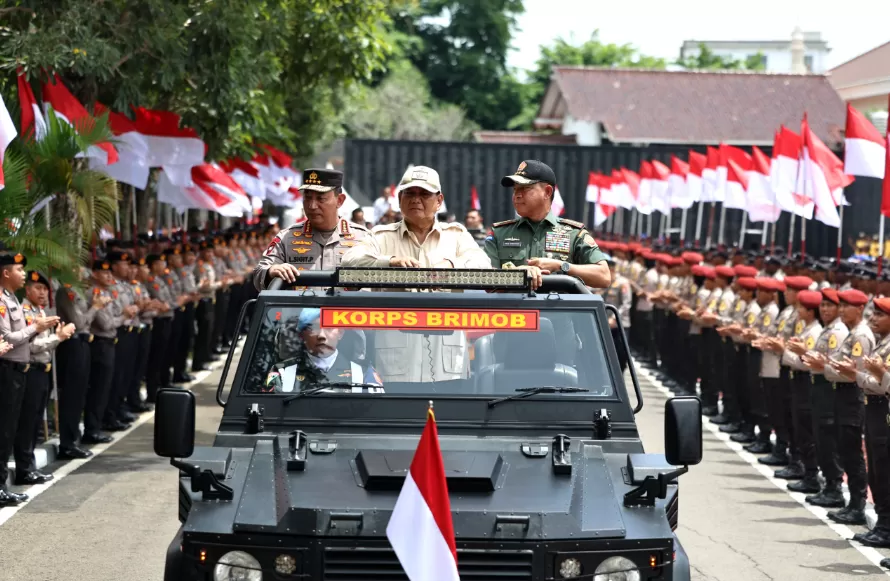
(721, 420)
(852, 514)
(830, 496)
(774, 459)
(794, 471)
(809, 484)
(878, 537)
(761, 447)
(745, 435)
(709, 411)
(731, 428)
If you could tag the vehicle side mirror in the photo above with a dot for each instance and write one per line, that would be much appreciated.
(175, 423)
(683, 431)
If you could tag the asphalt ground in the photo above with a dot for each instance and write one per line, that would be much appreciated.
(111, 518)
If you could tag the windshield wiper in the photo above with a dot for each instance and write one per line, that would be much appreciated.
(325, 386)
(529, 391)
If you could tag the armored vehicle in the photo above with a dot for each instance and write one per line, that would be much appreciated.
(546, 472)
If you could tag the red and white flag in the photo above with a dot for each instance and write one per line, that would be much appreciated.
(169, 145)
(784, 173)
(246, 175)
(658, 195)
(734, 179)
(644, 188)
(762, 205)
(824, 177)
(420, 529)
(475, 204)
(558, 206)
(864, 147)
(678, 189)
(7, 134)
(594, 185)
(70, 110)
(208, 188)
(695, 178)
(620, 190)
(602, 210)
(33, 123)
(132, 148)
(710, 193)
(885, 194)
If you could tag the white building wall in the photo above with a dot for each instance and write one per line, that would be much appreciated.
(777, 61)
(587, 132)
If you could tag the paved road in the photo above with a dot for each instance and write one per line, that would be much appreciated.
(112, 518)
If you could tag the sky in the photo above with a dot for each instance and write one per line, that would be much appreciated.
(658, 27)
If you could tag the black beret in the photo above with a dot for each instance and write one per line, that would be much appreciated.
(34, 276)
(9, 259)
(152, 258)
(101, 265)
(119, 256)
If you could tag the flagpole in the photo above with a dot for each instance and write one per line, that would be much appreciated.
(763, 234)
(710, 224)
(634, 214)
(881, 244)
(683, 226)
(720, 229)
(840, 233)
(803, 237)
(134, 212)
(744, 228)
(791, 234)
(698, 225)
(773, 236)
(649, 226)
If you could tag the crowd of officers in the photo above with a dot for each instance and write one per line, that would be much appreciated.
(775, 345)
(135, 317)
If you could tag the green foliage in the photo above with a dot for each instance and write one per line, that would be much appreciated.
(591, 53)
(401, 107)
(705, 59)
(237, 70)
(463, 54)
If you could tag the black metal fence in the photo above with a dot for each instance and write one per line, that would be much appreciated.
(372, 165)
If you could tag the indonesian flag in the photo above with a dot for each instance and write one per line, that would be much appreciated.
(644, 188)
(784, 173)
(169, 145)
(824, 177)
(132, 147)
(735, 185)
(620, 190)
(209, 188)
(246, 176)
(475, 204)
(277, 182)
(70, 110)
(678, 190)
(885, 194)
(602, 210)
(7, 134)
(594, 186)
(762, 205)
(710, 192)
(865, 147)
(280, 162)
(659, 188)
(694, 181)
(558, 206)
(33, 123)
(420, 528)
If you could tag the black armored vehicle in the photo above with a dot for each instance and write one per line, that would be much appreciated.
(546, 473)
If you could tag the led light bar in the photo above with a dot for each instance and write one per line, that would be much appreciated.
(431, 278)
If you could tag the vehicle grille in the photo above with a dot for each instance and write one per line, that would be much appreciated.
(364, 564)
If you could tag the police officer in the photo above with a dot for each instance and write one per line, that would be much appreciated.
(703, 287)
(747, 360)
(14, 363)
(74, 362)
(877, 433)
(184, 267)
(822, 398)
(320, 242)
(807, 331)
(475, 226)
(619, 296)
(765, 325)
(159, 290)
(849, 412)
(204, 314)
(148, 307)
(645, 291)
(540, 242)
(116, 417)
(310, 357)
(39, 379)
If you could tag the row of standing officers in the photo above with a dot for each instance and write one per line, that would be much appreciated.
(134, 316)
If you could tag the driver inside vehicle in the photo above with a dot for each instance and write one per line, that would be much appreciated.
(309, 357)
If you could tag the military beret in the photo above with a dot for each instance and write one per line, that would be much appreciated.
(8, 259)
(692, 257)
(817, 266)
(745, 270)
(725, 271)
(101, 265)
(699, 270)
(853, 297)
(768, 283)
(119, 256)
(152, 258)
(747, 282)
(798, 282)
(810, 299)
(307, 318)
(34, 276)
(141, 262)
(648, 254)
(621, 247)
(773, 259)
(709, 272)
(883, 304)
(829, 294)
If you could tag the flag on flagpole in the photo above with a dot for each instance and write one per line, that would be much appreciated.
(592, 194)
(132, 148)
(695, 178)
(710, 193)
(864, 146)
(761, 202)
(824, 177)
(658, 195)
(558, 206)
(475, 204)
(420, 529)
(33, 123)
(885, 193)
(678, 189)
(70, 110)
(7, 134)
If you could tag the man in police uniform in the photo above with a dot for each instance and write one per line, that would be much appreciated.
(619, 296)
(311, 357)
(320, 242)
(14, 363)
(127, 343)
(540, 242)
(159, 290)
(39, 379)
(204, 314)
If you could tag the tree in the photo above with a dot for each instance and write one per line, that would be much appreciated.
(591, 53)
(238, 71)
(706, 59)
(401, 107)
(463, 54)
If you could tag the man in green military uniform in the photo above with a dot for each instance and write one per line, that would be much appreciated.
(540, 242)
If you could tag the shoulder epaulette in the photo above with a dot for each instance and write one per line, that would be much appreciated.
(358, 226)
(456, 225)
(386, 227)
(574, 223)
(504, 223)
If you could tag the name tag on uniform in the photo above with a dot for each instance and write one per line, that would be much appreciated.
(301, 259)
(556, 242)
(512, 243)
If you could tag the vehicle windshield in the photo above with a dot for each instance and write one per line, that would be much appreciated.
(450, 352)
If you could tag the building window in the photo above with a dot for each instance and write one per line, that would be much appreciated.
(808, 63)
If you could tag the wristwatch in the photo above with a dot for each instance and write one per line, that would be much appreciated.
(564, 267)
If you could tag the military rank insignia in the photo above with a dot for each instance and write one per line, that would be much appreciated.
(857, 349)
(810, 342)
(751, 318)
(832, 342)
(767, 320)
(272, 246)
(556, 242)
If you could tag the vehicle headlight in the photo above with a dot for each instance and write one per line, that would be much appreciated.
(237, 566)
(617, 569)
(569, 568)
